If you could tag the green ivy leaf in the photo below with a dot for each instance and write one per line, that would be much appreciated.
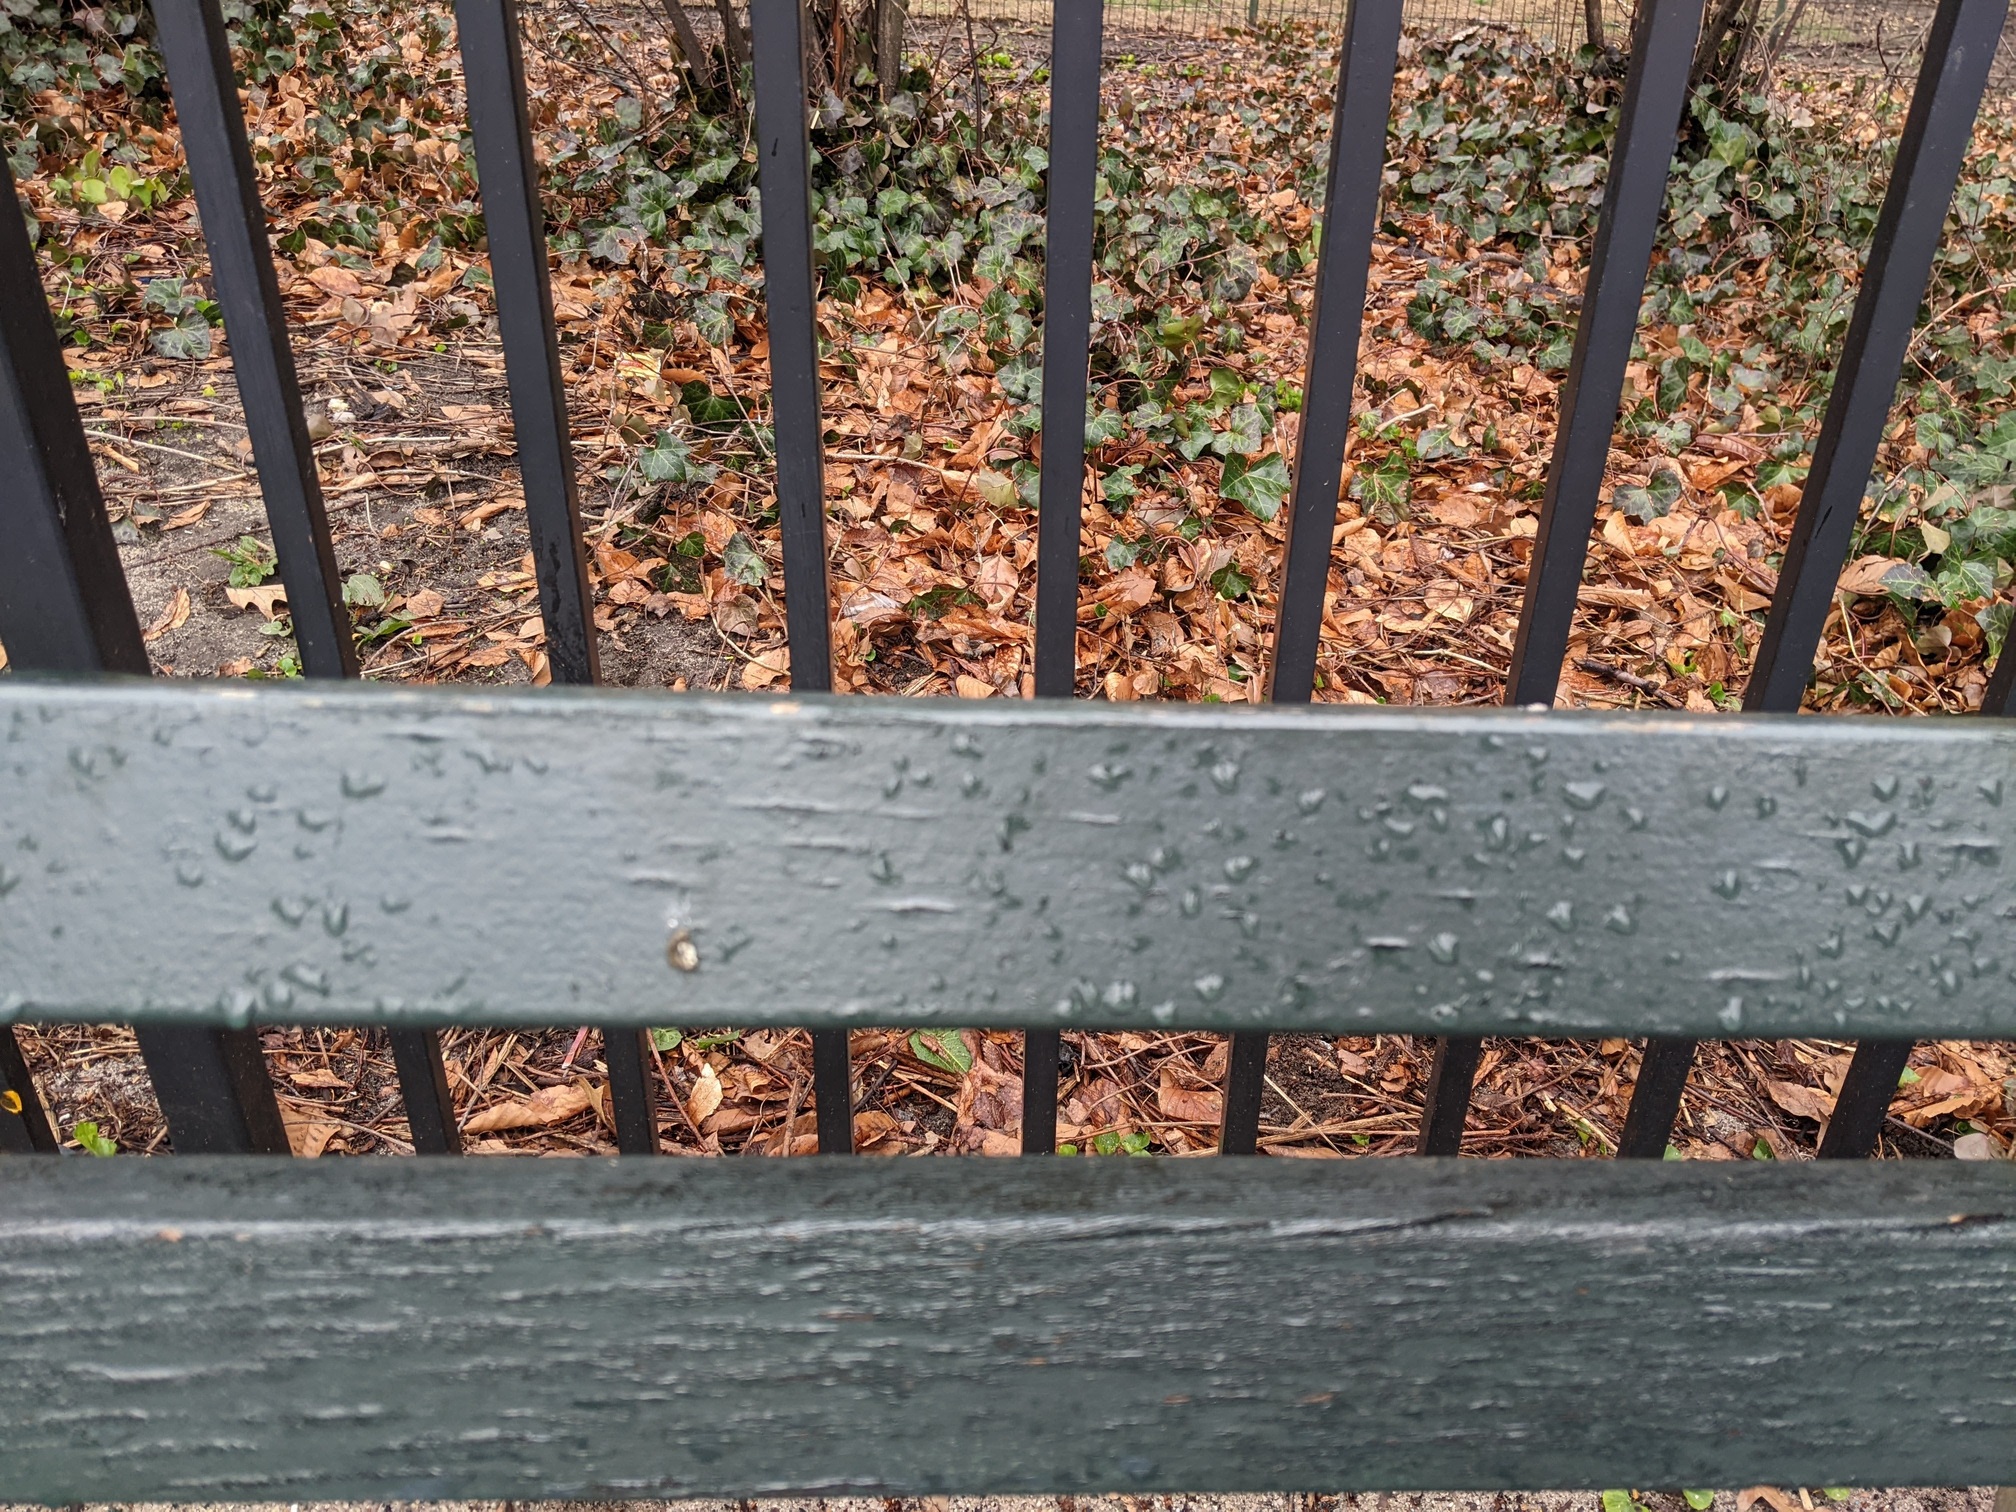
(1655, 500)
(1385, 490)
(1230, 582)
(944, 1048)
(1227, 388)
(1260, 487)
(742, 562)
(363, 591)
(710, 315)
(665, 1039)
(669, 459)
(94, 1143)
(189, 342)
(1700, 1501)
(1119, 487)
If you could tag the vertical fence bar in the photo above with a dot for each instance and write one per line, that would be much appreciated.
(508, 177)
(423, 1083)
(64, 608)
(790, 301)
(633, 1093)
(193, 44)
(1245, 1082)
(832, 1091)
(1448, 1100)
(1634, 194)
(1075, 41)
(214, 1090)
(1655, 1101)
(1077, 29)
(1864, 1101)
(1958, 52)
(1366, 61)
(24, 1127)
(1042, 1053)
(198, 55)
(1936, 133)
(508, 180)
(791, 308)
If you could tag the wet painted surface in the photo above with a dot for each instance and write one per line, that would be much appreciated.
(233, 1328)
(365, 854)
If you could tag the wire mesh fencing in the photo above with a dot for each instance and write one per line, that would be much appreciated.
(1883, 36)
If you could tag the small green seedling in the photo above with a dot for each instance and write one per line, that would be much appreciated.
(252, 561)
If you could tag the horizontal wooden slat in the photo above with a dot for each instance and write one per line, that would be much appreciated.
(203, 853)
(394, 1330)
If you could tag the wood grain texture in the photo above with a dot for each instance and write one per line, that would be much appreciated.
(237, 1328)
(211, 853)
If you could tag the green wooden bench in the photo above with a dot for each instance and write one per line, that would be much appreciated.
(199, 858)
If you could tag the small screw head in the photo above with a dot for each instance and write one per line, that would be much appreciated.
(681, 953)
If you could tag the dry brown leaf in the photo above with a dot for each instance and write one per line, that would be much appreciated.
(876, 1132)
(1778, 1500)
(265, 598)
(331, 279)
(319, 1076)
(1977, 1101)
(174, 617)
(307, 1135)
(628, 591)
(1123, 593)
(476, 518)
(187, 516)
(424, 604)
(997, 1142)
(1184, 1104)
(767, 667)
(1864, 576)
(705, 1096)
(549, 1105)
(1801, 1101)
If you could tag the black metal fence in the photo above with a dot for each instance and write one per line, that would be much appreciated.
(65, 608)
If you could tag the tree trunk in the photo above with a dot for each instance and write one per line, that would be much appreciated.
(1592, 23)
(1725, 38)
(889, 20)
(734, 36)
(698, 63)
